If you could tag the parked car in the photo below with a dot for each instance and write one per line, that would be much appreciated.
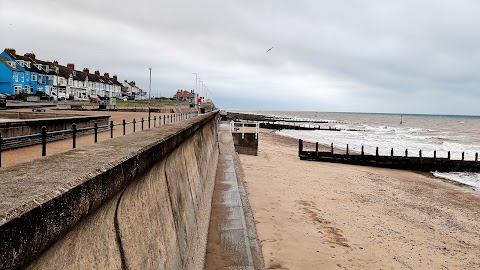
(95, 100)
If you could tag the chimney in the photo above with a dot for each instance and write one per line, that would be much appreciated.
(132, 82)
(125, 81)
(30, 55)
(55, 62)
(115, 77)
(97, 72)
(106, 75)
(71, 66)
(10, 51)
(86, 70)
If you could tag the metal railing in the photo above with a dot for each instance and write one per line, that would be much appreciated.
(44, 136)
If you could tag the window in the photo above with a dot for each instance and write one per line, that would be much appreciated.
(17, 88)
(12, 64)
(34, 77)
(20, 63)
(22, 77)
(16, 76)
(39, 89)
(60, 80)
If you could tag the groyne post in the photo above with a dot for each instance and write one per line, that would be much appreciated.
(435, 154)
(347, 150)
(376, 151)
(476, 156)
(95, 131)
(300, 147)
(463, 156)
(362, 151)
(406, 152)
(420, 153)
(74, 135)
(44, 141)
(164, 117)
(448, 155)
(316, 149)
(331, 149)
(391, 152)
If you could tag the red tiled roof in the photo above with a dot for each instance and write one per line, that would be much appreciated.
(184, 93)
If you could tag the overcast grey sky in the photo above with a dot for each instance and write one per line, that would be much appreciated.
(358, 55)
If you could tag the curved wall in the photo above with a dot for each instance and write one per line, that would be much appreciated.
(144, 204)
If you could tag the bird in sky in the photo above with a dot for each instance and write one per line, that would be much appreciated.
(269, 49)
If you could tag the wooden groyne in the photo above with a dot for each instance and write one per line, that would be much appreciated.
(420, 163)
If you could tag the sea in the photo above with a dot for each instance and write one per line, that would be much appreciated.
(429, 133)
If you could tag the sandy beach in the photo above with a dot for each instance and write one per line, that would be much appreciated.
(313, 215)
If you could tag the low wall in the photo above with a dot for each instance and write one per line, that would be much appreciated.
(246, 143)
(62, 122)
(140, 201)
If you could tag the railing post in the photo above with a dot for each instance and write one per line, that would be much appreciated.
(448, 155)
(134, 124)
(300, 147)
(316, 149)
(149, 120)
(362, 151)
(406, 152)
(111, 129)
(347, 150)
(164, 117)
(44, 141)
(154, 121)
(124, 126)
(95, 129)
(1, 142)
(142, 122)
(74, 135)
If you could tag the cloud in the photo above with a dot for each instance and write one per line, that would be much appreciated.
(367, 56)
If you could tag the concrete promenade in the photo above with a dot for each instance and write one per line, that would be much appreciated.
(232, 240)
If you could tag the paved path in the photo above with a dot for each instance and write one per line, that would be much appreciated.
(232, 242)
(21, 155)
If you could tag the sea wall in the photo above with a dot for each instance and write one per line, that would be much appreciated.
(140, 201)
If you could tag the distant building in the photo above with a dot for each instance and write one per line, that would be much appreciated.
(30, 75)
(131, 90)
(184, 95)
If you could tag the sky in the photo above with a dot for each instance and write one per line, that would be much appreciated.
(409, 56)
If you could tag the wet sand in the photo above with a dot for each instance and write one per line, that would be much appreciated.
(314, 215)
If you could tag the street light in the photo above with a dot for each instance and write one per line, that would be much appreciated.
(149, 93)
(196, 77)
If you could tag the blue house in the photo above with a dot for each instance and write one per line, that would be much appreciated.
(34, 75)
(12, 78)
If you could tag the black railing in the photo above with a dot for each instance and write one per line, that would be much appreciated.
(44, 136)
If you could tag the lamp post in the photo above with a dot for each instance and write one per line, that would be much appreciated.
(196, 78)
(149, 93)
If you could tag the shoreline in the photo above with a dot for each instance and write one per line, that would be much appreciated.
(337, 150)
(312, 215)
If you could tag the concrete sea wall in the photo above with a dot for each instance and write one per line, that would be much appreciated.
(141, 201)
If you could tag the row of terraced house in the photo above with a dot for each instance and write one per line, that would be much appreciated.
(30, 75)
